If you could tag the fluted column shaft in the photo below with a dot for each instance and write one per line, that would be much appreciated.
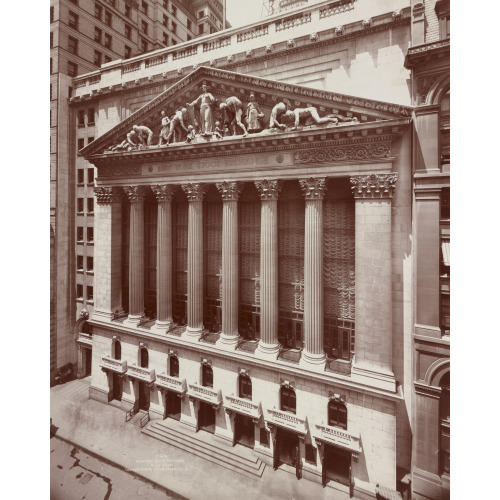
(314, 190)
(136, 195)
(269, 191)
(229, 192)
(195, 194)
(164, 194)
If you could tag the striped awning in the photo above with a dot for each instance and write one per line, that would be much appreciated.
(445, 248)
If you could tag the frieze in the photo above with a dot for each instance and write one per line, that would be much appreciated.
(269, 190)
(373, 185)
(359, 152)
(118, 170)
(107, 194)
(229, 191)
(164, 192)
(313, 188)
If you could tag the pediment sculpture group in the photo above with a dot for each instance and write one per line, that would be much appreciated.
(206, 118)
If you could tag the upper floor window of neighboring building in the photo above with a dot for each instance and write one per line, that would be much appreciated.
(97, 58)
(207, 376)
(90, 205)
(144, 45)
(165, 21)
(81, 117)
(73, 45)
(128, 52)
(81, 143)
(80, 176)
(174, 28)
(79, 292)
(70, 92)
(90, 234)
(337, 414)
(174, 42)
(73, 20)
(51, 65)
(90, 175)
(51, 39)
(90, 293)
(51, 92)
(79, 233)
(144, 26)
(111, 2)
(79, 205)
(442, 8)
(72, 69)
(128, 11)
(108, 18)
(98, 12)
(107, 40)
(107, 59)
(165, 4)
(288, 400)
(200, 29)
(98, 34)
(52, 14)
(189, 37)
(144, 8)
(189, 25)
(174, 10)
(201, 13)
(79, 263)
(174, 366)
(74, 1)
(90, 264)
(128, 31)
(245, 386)
(165, 39)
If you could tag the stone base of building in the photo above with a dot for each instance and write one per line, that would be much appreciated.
(98, 394)
(380, 380)
(427, 486)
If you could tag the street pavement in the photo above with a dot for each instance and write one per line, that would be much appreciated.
(101, 429)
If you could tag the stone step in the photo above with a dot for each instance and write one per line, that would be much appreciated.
(239, 460)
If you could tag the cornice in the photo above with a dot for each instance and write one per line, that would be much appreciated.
(425, 52)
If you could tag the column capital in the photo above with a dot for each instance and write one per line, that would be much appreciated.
(313, 188)
(107, 194)
(268, 190)
(229, 191)
(373, 185)
(135, 194)
(195, 191)
(164, 192)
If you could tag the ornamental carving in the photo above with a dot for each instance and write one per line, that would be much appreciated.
(373, 185)
(313, 188)
(345, 153)
(135, 194)
(119, 171)
(424, 84)
(164, 192)
(195, 191)
(268, 190)
(229, 191)
(339, 30)
(107, 194)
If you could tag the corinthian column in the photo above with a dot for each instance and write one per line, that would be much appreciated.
(229, 192)
(373, 319)
(269, 191)
(313, 354)
(136, 195)
(164, 194)
(195, 194)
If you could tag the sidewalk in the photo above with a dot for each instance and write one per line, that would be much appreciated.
(101, 429)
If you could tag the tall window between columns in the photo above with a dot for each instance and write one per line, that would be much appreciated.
(244, 386)
(337, 414)
(150, 237)
(339, 270)
(212, 265)
(125, 253)
(143, 357)
(249, 263)
(291, 228)
(173, 370)
(117, 349)
(444, 422)
(288, 399)
(180, 245)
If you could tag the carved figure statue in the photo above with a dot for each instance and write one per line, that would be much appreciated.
(191, 134)
(278, 110)
(165, 122)
(144, 134)
(233, 111)
(177, 126)
(308, 116)
(205, 101)
(254, 115)
(217, 132)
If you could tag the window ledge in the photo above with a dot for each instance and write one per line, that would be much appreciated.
(90, 273)
(79, 299)
(90, 301)
(80, 242)
(79, 271)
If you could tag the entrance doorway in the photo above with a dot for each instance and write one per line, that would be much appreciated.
(206, 418)
(244, 432)
(143, 396)
(117, 387)
(88, 362)
(287, 447)
(336, 464)
(172, 405)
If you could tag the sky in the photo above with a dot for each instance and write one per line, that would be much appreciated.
(242, 12)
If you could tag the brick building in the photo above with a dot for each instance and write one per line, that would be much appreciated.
(285, 290)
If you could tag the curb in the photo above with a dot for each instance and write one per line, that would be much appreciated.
(108, 461)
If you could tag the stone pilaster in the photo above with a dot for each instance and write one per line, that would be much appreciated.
(269, 192)
(313, 354)
(195, 193)
(230, 192)
(108, 252)
(373, 320)
(164, 194)
(136, 195)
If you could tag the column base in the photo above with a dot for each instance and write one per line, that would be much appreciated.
(133, 320)
(267, 351)
(228, 342)
(103, 315)
(192, 334)
(161, 327)
(371, 377)
(312, 361)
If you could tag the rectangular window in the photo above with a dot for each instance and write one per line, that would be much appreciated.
(200, 29)
(98, 11)
(90, 175)
(107, 59)
(73, 20)
(52, 14)
(189, 27)
(445, 203)
(128, 11)
(90, 264)
(79, 233)
(51, 92)
(90, 234)
(90, 292)
(79, 205)
(81, 144)
(128, 32)
(144, 8)
(90, 139)
(51, 39)
(73, 45)
(107, 40)
(165, 39)
(144, 25)
(108, 18)
(80, 176)
(51, 66)
(90, 116)
(174, 28)
(174, 10)
(72, 69)
(81, 117)
(97, 58)
(128, 52)
(79, 292)
(264, 437)
(165, 21)
(79, 262)
(144, 45)
(189, 37)
(112, 2)
(98, 34)
(70, 92)
(201, 13)
(74, 2)
(174, 42)
(90, 205)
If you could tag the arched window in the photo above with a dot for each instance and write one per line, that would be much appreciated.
(144, 358)
(444, 424)
(288, 400)
(174, 366)
(207, 376)
(337, 414)
(117, 349)
(245, 386)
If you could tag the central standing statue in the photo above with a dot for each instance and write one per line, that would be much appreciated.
(205, 101)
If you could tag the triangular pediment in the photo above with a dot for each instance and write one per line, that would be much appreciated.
(348, 110)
